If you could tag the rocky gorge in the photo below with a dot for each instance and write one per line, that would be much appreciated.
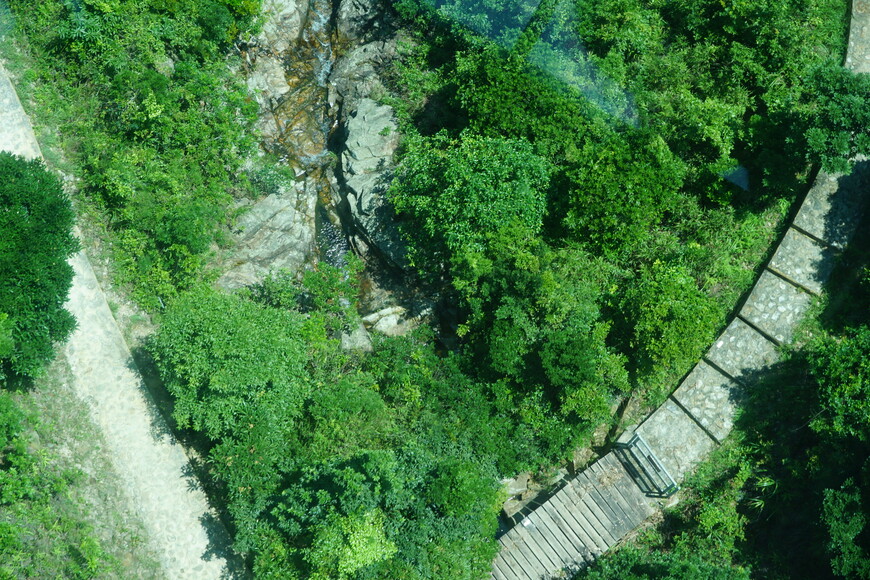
(314, 68)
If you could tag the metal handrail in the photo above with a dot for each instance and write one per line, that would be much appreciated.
(661, 480)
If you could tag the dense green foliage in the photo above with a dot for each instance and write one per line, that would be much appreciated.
(41, 535)
(836, 116)
(604, 183)
(787, 496)
(590, 182)
(149, 110)
(336, 464)
(36, 239)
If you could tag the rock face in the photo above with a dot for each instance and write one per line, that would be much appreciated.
(371, 139)
(368, 139)
(276, 232)
(357, 19)
(307, 97)
(285, 66)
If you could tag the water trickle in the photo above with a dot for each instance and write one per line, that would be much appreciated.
(300, 114)
(331, 241)
(301, 122)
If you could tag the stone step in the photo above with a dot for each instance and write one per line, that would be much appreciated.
(741, 351)
(712, 399)
(775, 307)
(803, 261)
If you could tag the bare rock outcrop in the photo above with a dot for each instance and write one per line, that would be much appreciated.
(274, 233)
(368, 139)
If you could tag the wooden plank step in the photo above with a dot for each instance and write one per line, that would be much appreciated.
(577, 524)
(503, 566)
(599, 494)
(523, 554)
(625, 517)
(581, 556)
(543, 534)
(575, 509)
(512, 565)
(570, 555)
(572, 545)
(621, 524)
(538, 549)
(632, 496)
(581, 547)
(497, 573)
(581, 488)
(515, 560)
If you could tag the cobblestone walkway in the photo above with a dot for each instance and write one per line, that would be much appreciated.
(175, 512)
(595, 510)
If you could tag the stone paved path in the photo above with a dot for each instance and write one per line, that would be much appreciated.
(598, 508)
(153, 466)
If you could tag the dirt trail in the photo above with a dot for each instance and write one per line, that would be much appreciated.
(183, 530)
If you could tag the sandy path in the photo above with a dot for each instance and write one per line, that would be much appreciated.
(152, 465)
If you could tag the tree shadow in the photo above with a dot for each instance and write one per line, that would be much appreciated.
(786, 531)
(196, 447)
(848, 289)
(848, 203)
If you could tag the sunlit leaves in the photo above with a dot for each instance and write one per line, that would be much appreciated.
(36, 221)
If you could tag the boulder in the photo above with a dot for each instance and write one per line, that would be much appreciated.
(371, 139)
(276, 232)
(355, 76)
(517, 485)
(357, 19)
(391, 321)
(358, 339)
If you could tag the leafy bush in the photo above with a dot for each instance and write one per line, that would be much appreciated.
(841, 367)
(41, 532)
(462, 192)
(36, 221)
(633, 564)
(152, 115)
(673, 323)
(846, 520)
(336, 464)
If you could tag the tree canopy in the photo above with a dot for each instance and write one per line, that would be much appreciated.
(36, 239)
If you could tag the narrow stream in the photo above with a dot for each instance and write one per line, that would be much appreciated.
(305, 125)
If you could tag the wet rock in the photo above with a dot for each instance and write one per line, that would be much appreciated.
(370, 142)
(287, 63)
(374, 317)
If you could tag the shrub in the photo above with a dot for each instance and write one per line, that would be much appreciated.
(36, 239)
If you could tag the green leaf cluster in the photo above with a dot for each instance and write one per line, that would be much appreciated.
(338, 464)
(668, 137)
(154, 119)
(36, 221)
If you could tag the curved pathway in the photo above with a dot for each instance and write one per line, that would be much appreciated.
(600, 506)
(183, 529)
